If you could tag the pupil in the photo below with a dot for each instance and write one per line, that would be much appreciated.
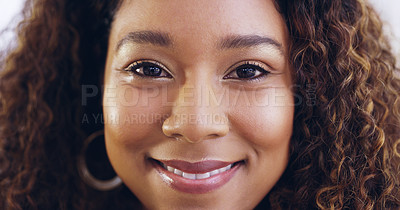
(246, 72)
(151, 71)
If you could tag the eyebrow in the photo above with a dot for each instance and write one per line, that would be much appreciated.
(146, 37)
(230, 42)
(246, 41)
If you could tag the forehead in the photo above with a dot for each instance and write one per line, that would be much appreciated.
(201, 20)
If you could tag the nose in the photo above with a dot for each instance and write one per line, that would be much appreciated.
(195, 116)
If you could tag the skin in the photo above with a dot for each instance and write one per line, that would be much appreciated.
(198, 113)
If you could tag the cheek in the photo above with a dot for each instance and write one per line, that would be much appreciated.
(134, 117)
(266, 125)
(267, 120)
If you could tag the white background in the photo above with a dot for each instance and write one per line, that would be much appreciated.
(389, 10)
(9, 10)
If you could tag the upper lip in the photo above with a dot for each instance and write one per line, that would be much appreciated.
(196, 167)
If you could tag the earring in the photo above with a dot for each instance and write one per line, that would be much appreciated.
(86, 176)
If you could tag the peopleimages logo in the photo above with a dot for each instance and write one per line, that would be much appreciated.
(239, 96)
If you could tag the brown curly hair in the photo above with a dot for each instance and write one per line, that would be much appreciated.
(345, 149)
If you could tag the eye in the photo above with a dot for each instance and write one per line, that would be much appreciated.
(247, 71)
(148, 69)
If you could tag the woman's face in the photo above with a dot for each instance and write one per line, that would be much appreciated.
(197, 102)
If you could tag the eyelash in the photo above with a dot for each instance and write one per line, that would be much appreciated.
(137, 66)
(256, 67)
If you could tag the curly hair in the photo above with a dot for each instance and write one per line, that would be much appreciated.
(345, 149)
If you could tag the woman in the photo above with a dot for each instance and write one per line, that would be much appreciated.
(202, 104)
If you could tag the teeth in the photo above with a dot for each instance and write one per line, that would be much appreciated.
(216, 171)
(188, 175)
(226, 168)
(203, 176)
(222, 169)
(178, 172)
(197, 176)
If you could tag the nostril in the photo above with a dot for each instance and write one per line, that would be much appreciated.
(177, 136)
(211, 136)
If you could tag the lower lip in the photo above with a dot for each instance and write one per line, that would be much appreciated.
(197, 186)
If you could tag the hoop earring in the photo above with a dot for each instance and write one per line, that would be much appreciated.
(87, 177)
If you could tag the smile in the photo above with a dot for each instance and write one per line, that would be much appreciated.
(199, 177)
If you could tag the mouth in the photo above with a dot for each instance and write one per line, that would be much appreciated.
(196, 178)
